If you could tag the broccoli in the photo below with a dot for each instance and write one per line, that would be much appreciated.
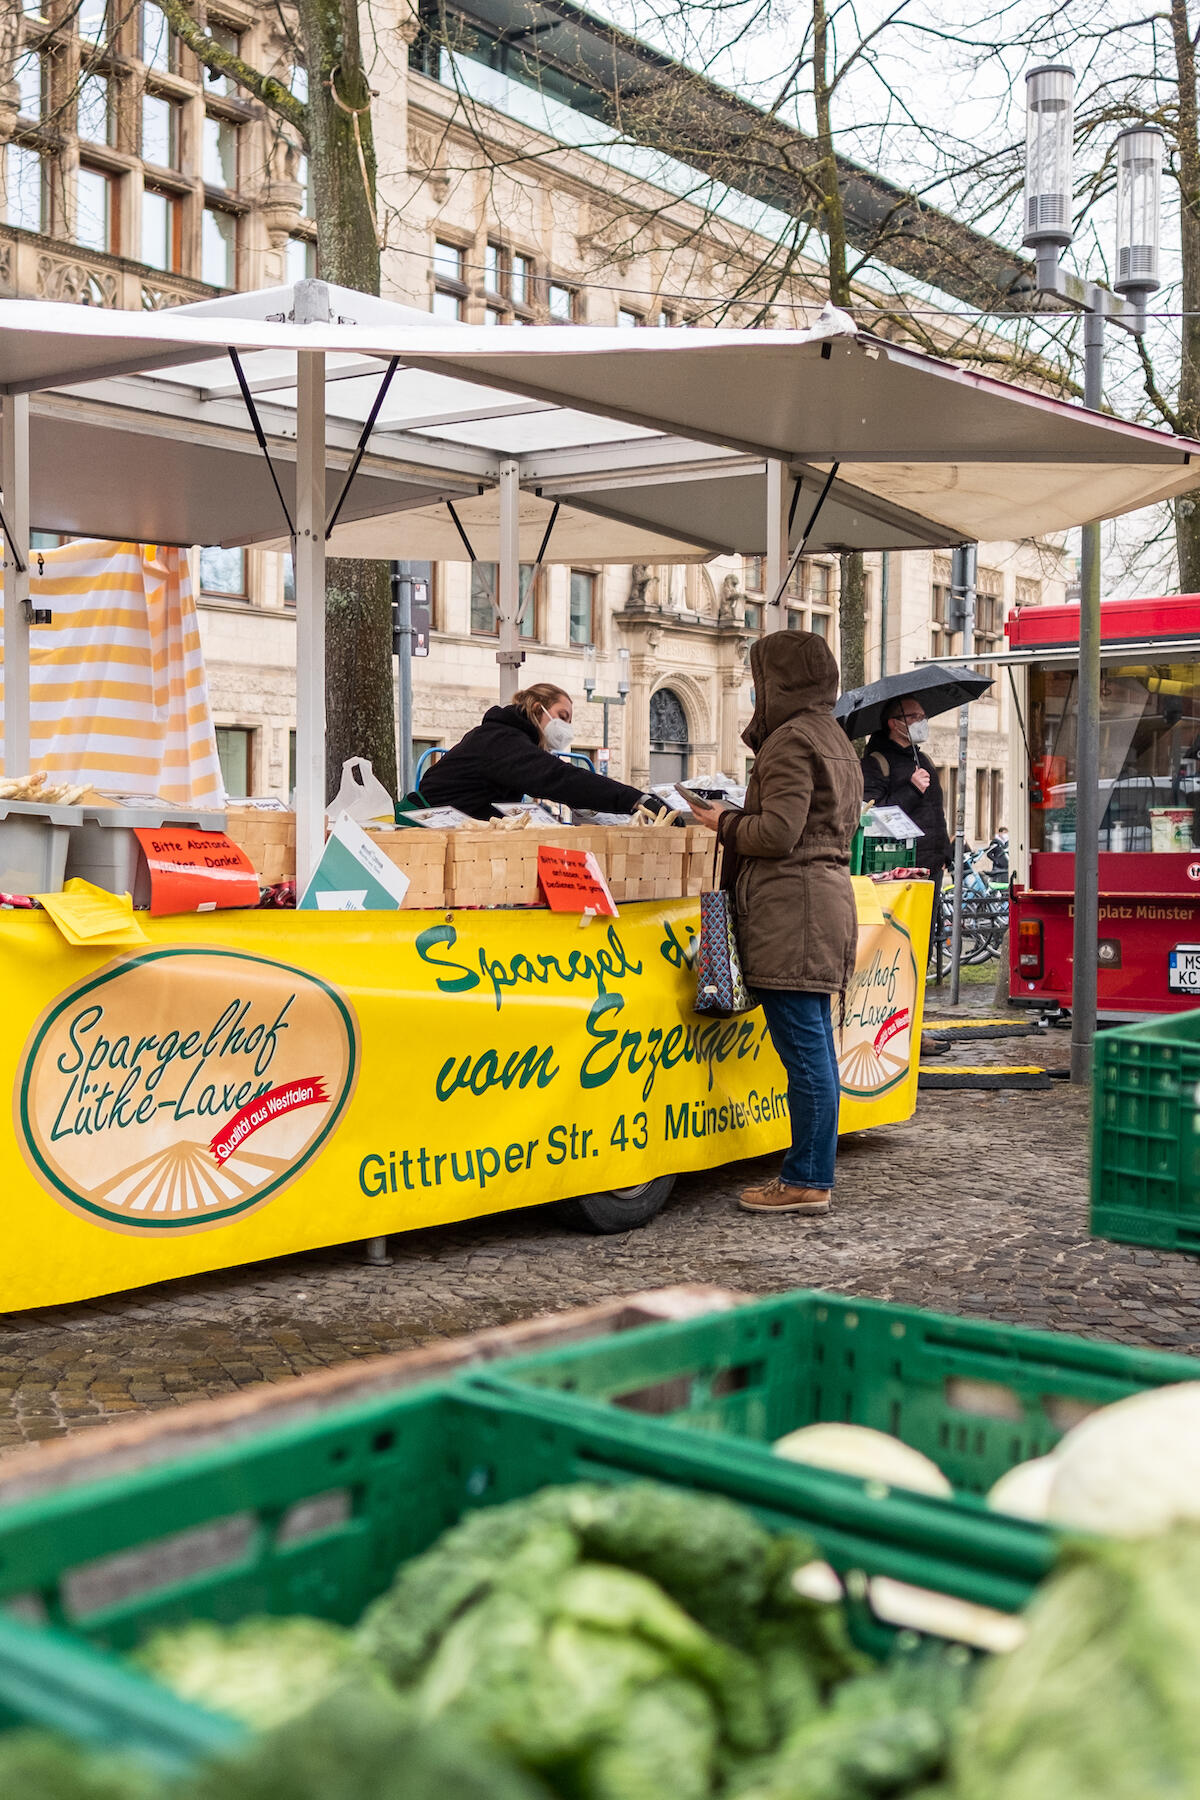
(362, 1744)
(37, 1765)
(664, 1744)
(261, 1670)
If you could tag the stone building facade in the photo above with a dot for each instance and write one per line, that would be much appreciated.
(132, 179)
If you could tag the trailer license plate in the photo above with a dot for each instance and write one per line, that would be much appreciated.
(1183, 969)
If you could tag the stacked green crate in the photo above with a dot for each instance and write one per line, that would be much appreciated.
(1146, 1134)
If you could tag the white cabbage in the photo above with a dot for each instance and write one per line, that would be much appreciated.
(858, 1450)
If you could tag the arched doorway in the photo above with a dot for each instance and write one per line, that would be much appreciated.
(670, 750)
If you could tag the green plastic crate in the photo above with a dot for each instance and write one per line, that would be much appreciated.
(871, 855)
(1146, 1134)
(315, 1517)
(976, 1397)
(879, 854)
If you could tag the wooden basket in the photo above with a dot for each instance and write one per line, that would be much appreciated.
(269, 840)
(424, 858)
(500, 868)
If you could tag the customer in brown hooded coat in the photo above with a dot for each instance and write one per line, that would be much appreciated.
(787, 861)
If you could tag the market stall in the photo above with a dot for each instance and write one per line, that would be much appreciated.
(222, 1088)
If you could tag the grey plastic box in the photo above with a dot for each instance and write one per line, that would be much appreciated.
(104, 851)
(34, 842)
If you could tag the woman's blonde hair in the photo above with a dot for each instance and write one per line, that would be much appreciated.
(538, 698)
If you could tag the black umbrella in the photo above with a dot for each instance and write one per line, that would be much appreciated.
(860, 712)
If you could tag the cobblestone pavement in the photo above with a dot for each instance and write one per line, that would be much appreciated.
(978, 1205)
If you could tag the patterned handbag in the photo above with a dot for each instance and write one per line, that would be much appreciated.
(720, 985)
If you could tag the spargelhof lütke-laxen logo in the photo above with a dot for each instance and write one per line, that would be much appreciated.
(181, 1088)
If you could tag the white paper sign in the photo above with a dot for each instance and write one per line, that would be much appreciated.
(347, 856)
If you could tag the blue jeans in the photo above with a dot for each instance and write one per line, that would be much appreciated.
(801, 1027)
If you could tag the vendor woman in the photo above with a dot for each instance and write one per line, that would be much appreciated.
(513, 754)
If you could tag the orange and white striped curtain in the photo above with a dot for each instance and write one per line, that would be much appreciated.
(118, 689)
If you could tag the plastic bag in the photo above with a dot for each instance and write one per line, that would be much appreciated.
(361, 797)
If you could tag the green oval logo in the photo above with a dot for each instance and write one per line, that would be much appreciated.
(181, 1088)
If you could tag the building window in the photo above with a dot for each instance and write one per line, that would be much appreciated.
(989, 624)
(222, 85)
(159, 46)
(160, 131)
(92, 16)
(508, 284)
(220, 153)
(93, 112)
(235, 752)
(819, 625)
(942, 641)
(666, 317)
(449, 285)
(561, 302)
(753, 617)
(627, 319)
(795, 620)
(95, 209)
(485, 579)
(300, 259)
(754, 574)
(583, 607)
(29, 86)
(218, 248)
(223, 572)
(996, 783)
(161, 234)
(25, 188)
(820, 583)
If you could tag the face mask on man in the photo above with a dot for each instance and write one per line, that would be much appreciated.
(918, 730)
(557, 734)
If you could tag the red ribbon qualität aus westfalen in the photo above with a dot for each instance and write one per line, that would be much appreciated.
(307, 1090)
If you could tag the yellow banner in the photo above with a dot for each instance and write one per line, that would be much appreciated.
(256, 1083)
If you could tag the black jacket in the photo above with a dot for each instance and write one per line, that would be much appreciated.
(893, 787)
(502, 759)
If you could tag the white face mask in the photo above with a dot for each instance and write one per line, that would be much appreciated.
(918, 730)
(557, 734)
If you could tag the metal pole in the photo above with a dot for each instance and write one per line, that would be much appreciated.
(14, 475)
(777, 539)
(960, 805)
(310, 614)
(402, 647)
(510, 656)
(1087, 752)
(885, 595)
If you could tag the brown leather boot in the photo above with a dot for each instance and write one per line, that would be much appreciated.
(775, 1196)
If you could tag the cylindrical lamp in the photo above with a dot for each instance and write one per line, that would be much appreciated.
(1049, 135)
(1139, 197)
(623, 670)
(589, 669)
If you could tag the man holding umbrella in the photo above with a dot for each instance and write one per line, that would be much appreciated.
(896, 772)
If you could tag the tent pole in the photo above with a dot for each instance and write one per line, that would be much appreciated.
(14, 476)
(777, 540)
(968, 560)
(510, 656)
(310, 614)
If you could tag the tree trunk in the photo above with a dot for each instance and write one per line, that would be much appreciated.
(831, 193)
(1187, 139)
(360, 716)
(852, 606)
(359, 693)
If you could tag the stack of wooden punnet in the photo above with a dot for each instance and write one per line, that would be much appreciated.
(496, 865)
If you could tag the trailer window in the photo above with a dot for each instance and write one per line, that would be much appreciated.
(1149, 755)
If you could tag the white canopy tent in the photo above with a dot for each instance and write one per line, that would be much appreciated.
(905, 448)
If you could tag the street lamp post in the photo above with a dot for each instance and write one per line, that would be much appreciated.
(1049, 143)
(606, 700)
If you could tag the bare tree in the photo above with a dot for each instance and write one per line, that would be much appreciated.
(334, 124)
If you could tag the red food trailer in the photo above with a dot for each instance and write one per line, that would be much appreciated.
(1149, 936)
